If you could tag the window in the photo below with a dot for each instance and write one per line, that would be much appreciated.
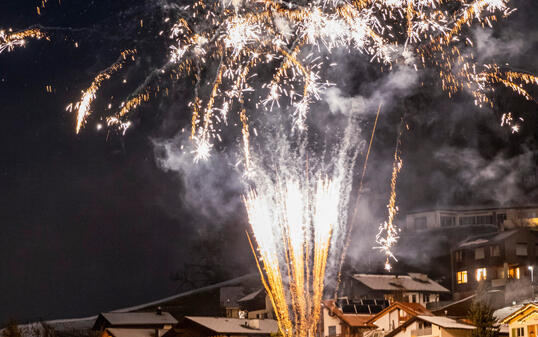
(420, 222)
(518, 332)
(495, 250)
(484, 220)
(332, 330)
(414, 299)
(481, 274)
(467, 220)
(521, 249)
(458, 255)
(448, 221)
(479, 253)
(500, 218)
(462, 276)
(514, 272)
(426, 298)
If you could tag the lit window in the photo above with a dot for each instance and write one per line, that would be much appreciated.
(462, 277)
(481, 274)
(514, 273)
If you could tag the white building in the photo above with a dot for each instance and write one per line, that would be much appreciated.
(499, 217)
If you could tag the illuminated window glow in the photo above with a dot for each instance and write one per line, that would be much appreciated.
(462, 276)
(481, 274)
(514, 273)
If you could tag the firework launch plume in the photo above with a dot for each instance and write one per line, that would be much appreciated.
(297, 208)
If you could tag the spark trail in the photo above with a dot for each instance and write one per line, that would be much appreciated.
(10, 40)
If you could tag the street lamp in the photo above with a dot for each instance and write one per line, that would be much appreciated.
(531, 268)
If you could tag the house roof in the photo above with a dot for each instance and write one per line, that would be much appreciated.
(502, 313)
(413, 309)
(521, 313)
(138, 318)
(353, 320)
(233, 282)
(117, 332)
(411, 282)
(446, 322)
(487, 238)
(251, 296)
(235, 325)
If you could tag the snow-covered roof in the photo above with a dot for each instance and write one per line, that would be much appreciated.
(232, 282)
(400, 282)
(117, 332)
(236, 325)
(487, 238)
(138, 318)
(446, 322)
(501, 313)
(250, 296)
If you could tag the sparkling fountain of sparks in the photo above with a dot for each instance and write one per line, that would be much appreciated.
(298, 212)
(297, 220)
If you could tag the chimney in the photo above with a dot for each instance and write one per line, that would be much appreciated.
(159, 311)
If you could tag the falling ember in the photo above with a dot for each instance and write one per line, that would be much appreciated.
(10, 40)
(83, 107)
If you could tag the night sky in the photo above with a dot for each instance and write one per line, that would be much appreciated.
(92, 222)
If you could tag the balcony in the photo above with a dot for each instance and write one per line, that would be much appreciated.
(421, 332)
(500, 282)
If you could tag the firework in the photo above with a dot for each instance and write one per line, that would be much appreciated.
(223, 46)
(83, 107)
(239, 39)
(9, 40)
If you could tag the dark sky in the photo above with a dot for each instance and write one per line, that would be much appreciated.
(90, 222)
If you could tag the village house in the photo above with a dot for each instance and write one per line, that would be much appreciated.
(256, 305)
(397, 314)
(502, 260)
(430, 326)
(193, 326)
(334, 322)
(499, 218)
(412, 288)
(123, 324)
(523, 322)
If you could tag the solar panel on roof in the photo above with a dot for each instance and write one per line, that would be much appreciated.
(348, 309)
(362, 309)
(374, 309)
